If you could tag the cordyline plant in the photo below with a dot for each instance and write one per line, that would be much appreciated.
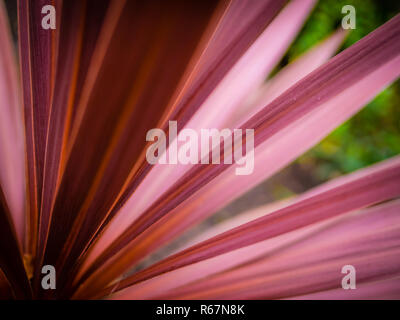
(77, 192)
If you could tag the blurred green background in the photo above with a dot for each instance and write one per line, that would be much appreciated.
(371, 135)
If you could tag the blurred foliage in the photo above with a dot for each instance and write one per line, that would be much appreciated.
(327, 16)
(371, 135)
